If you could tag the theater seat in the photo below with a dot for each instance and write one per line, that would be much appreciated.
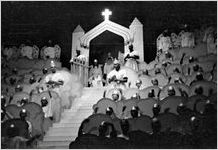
(94, 121)
(168, 121)
(144, 92)
(209, 87)
(171, 103)
(19, 125)
(146, 105)
(103, 104)
(142, 123)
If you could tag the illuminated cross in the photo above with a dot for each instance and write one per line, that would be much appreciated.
(106, 14)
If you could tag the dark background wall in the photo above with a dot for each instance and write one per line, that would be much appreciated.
(40, 21)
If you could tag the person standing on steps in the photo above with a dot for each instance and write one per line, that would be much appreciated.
(131, 59)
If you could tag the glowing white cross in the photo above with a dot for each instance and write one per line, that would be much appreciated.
(106, 13)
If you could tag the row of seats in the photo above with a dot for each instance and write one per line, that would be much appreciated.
(186, 129)
(24, 105)
(173, 106)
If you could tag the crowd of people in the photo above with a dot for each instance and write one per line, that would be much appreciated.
(112, 68)
(172, 104)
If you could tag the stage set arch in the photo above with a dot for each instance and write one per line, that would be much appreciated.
(81, 41)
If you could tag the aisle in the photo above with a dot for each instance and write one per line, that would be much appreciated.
(61, 134)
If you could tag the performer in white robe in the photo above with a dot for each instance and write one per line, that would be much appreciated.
(96, 75)
(108, 67)
(131, 58)
(117, 77)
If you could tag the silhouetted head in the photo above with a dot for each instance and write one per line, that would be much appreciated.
(154, 82)
(131, 48)
(12, 131)
(32, 80)
(209, 108)
(181, 108)
(44, 70)
(103, 129)
(24, 101)
(95, 62)
(53, 66)
(124, 126)
(151, 93)
(109, 111)
(18, 88)
(194, 123)
(44, 102)
(196, 67)
(199, 76)
(156, 125)
(191, 59)
(23, 114)
(134, 112)
(199, 90)
(171, 91)
(156, 110)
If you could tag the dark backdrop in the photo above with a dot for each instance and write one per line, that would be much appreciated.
(40, 21)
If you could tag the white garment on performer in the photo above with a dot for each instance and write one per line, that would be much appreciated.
(211, 44)
(108, 68)
(119, 75)
(47, 109)
(187, 39)
(97, 81)
(96, 77)
(30, 128)
(130, 62)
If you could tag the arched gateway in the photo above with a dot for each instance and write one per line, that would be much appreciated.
(132, 35)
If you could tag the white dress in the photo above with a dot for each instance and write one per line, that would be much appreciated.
(119, 75)
(130, 62)
(96, 77)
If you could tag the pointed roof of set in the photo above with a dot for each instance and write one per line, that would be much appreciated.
(136, 22)
(78, 29)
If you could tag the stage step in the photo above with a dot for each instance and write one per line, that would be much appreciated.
(61, 134)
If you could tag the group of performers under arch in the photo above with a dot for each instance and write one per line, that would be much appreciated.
(112, 73)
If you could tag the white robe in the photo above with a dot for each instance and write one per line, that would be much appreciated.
(96, 77)
(119, 75)
(130, 62)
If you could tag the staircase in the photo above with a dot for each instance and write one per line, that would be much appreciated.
(61, 134)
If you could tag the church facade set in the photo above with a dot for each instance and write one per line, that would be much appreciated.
(81, 40)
